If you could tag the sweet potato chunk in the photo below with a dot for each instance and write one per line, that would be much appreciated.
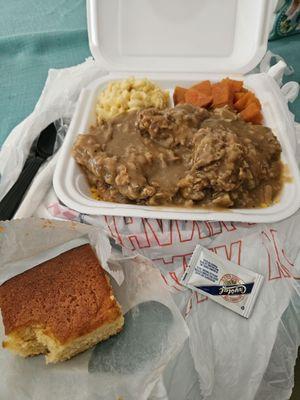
(203, 87)
(242, 103)
(251, 113)
(196, 98)
(257, 102)
(257, 119)
(179, 95)
(245, 100)
(222, 95)
(235, 86)
(237, 96)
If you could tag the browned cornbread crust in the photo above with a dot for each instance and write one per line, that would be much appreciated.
(68, 296)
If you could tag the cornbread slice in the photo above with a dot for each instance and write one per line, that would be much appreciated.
(60, 307)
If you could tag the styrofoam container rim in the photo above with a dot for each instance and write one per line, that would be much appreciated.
(72, 189)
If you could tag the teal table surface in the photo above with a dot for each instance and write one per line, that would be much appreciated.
(36, 35)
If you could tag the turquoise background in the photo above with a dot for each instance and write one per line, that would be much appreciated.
(36, 35)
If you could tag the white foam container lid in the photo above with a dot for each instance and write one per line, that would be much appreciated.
(175, 42)
(226, 36)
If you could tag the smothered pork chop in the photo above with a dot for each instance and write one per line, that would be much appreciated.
(182, 156)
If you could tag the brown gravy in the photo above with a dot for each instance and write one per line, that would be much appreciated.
(184, 156)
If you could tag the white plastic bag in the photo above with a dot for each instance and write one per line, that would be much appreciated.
(227, 351)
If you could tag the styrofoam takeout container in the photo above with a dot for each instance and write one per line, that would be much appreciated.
(179, 43)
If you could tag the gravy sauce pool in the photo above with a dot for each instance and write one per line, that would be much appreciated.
(184, 156)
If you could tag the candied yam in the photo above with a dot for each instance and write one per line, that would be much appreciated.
(205, 100)
(257, 102)
(222, 95)
(196, 98)
(244, 99)
(191, 96)
(203, 87)
(235, 86)
(242, 103)
(179, 95)
(237, 96)
(257, 119)
(250, 113)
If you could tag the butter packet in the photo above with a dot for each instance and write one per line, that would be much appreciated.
(228, 284)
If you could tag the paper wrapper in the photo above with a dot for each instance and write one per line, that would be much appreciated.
(126, 366)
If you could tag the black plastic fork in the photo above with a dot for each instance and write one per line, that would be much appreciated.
(41, 149)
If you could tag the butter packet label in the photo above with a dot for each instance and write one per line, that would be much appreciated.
(228, 284)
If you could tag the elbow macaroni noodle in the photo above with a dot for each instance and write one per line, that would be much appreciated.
(130, 94)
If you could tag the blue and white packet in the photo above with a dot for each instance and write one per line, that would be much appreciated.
(224, 282)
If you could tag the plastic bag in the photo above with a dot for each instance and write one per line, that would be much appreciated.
(224, 348)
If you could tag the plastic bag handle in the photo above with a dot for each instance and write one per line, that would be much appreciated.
(290, 90)
(277, 70)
